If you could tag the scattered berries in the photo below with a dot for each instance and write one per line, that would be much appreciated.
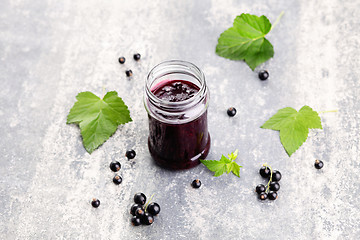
(196, 183)
(143, 214)
(265, 172)
(128, 73)
(260, 188)
(318, 164)
(153, 208)
(135, 221)
(263, 75)
(130, 154)
(122, 60)
(140, 198)
(95, 203)
(274, 186)
(272, 195)
(115, 166)
(231, 112)
(137, 56)
(117, 179)
(276, 176)
(263, 196)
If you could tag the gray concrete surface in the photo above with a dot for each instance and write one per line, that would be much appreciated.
(51, 50)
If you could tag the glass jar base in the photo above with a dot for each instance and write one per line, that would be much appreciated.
(181, 163)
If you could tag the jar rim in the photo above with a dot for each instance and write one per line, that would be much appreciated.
(200, 78)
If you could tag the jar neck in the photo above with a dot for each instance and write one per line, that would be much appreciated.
(181, 111)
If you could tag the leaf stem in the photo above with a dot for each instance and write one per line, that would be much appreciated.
(271, 172)
(277, 20)
(146, 205)
(329, 111)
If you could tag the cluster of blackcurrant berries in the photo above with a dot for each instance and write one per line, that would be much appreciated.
(143, 213)
(270, 190)
(122, 60)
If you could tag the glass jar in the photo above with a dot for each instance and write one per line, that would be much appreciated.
(178, 129)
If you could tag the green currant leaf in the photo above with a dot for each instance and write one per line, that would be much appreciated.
(218, 167)
(293, 126)
(245, 40)
(98, 118)
(223, 165)
(236, 169)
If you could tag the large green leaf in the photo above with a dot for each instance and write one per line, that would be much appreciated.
(98, 118)
(246, 40)
(293, 126)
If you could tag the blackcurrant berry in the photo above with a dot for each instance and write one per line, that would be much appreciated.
(263, 196)
(276, 176)
(263, 75)
(128, 73)
(196, 183)
(265, 172)
(274, 186)
(260, 188)
(130, 154)
(272, 195)
(147, 219)
(153, 208)
(122, 60)
(139, 212)
(140, 198)
(117, 179)
(137, 56)
(231, 112)
(318, 164)
(95, 203)
(134, 207)
(135, 221)
(115, 166)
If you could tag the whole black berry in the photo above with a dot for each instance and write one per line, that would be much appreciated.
(153, 208)
(147, 219)
(135, 221)
(130, 154)
(122, 60)
(128, 73)
(117, 179)
(274, 186)
(265, 172)
(318, 164)
(137, 56)
(196, 183)
(272, 195)
(134, 207)
(140, 198)
(263, 196)
(95, 203)
(115, 166)
(231, 112)
(276, 176)
(263, 75)
(260, 188)
(139, 212)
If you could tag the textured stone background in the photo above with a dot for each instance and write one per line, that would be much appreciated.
(51, 50)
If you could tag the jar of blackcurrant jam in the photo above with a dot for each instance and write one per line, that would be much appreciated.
(176, 99)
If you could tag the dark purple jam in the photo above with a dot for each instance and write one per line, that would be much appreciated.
(178, 145)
